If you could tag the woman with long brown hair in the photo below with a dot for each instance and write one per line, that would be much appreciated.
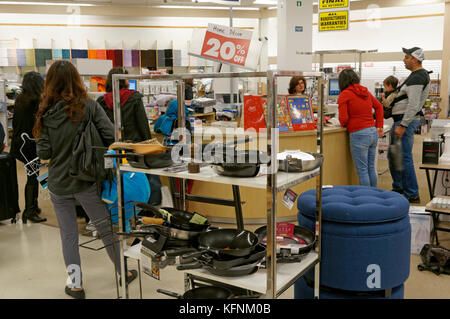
(63, 107)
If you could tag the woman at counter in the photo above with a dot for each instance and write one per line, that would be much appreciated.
(355, 113)
(297, 85)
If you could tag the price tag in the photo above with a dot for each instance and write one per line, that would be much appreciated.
(109, 162)
(149, 266)
(289, 198)
(226, 44)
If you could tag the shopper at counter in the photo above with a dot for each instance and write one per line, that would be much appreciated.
(355, 113)
(297, 85)
(406, 115)
(61, 111)
(25, 108)
(133, 117)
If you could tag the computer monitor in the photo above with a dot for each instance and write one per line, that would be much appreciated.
(132, 85)
(333, 87)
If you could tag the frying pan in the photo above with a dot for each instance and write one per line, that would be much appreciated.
(201, 293)
(145, 161)
(227, 262)
(179, 219)
(296, 165)
(235, 271)
(242, 164)
(299, 231)
(218, 243)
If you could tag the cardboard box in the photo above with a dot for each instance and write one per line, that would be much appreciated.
(420, 228)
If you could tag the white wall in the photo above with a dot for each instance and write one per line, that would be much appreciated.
(384, 35)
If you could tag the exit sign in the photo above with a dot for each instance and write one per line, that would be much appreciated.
(299, 3)
(298, 28)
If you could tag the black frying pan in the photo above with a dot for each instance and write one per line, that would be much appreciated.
(180, 219)
(201, 293)
(243, 163)
(221, 242)
(299, 231)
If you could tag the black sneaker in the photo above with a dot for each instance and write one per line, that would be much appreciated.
(80, 294)
(414, 199)
(397, 191)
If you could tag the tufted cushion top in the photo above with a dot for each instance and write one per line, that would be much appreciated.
(355, 204)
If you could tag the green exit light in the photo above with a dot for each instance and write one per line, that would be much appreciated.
(299, 3)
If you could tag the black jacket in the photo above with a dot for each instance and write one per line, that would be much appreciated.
(134, 119)
(23, 121)
(58, 134)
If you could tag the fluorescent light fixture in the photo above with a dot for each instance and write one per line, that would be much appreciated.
(227, 2)
(205, 7)
(48, 3)
(271, 2)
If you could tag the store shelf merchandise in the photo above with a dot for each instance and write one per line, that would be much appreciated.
(275, 279)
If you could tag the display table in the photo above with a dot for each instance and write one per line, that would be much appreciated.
(435, 212)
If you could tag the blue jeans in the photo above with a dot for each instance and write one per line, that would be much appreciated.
(363, 144)
(406, 180)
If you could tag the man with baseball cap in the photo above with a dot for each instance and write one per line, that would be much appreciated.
(406, 114)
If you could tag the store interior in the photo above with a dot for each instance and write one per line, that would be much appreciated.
(156, 42)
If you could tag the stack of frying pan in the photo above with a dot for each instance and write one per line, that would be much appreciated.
(227, 252)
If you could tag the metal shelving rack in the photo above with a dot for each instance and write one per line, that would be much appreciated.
(274, 182)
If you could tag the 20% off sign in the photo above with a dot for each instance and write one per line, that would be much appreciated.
(226, 44)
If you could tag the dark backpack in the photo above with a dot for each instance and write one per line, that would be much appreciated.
(435, 259)
(87, 163)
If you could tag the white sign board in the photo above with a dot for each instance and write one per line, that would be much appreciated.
(223, 44)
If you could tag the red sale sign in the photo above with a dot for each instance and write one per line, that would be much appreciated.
(226, 44)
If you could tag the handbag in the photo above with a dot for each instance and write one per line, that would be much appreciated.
(395, 153)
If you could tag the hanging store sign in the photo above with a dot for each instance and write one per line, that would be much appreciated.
(226, 45)
(333, 21)
(332, 4)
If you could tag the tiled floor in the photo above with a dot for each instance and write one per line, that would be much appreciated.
(32, 266)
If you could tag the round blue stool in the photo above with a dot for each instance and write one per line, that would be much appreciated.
(366, 241)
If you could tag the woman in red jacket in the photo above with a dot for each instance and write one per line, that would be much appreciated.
(355, 113)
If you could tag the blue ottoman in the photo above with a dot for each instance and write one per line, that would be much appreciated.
(366, 239)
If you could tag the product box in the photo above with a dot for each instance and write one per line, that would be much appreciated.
(420, 228)
(300, 109)
(431, 151)
(284, 122)
(254, 112)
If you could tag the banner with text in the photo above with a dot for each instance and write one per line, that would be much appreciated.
(333, 21)
(226, 45)
(332, 4)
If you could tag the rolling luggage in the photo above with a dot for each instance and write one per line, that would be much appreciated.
(9, 189)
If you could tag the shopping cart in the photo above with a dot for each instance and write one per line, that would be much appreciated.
(33, 167)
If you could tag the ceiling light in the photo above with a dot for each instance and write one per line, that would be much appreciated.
(205, 7)
(271, 2)
(48, 3)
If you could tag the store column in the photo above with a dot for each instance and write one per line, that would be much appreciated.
(294, 34)
(445, 80)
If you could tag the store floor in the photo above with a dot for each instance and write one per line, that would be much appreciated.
(32, 264)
